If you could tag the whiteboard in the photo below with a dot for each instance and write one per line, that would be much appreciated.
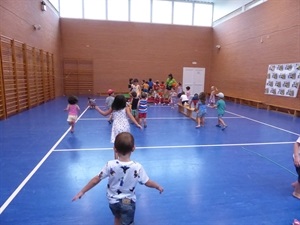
(193, 77)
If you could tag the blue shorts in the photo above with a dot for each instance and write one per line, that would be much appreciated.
(124, 210)
(220, 115)
(201, 114)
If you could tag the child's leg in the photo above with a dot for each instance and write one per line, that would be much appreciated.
(117, 221)
(221, 121)
(198, 121)
(72, 124)
(202, 120)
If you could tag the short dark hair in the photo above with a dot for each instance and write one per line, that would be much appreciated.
(124, 143)
(133, 94)
(72, 100)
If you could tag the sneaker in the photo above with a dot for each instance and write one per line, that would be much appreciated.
(218, 125)
(198, 126)
(223, 128)
(109, 121)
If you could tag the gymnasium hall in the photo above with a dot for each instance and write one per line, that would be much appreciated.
(248, 50)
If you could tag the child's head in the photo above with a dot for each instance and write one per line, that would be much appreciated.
(133, 94)
(220, 95)
(202, 97)
(188, 88)
(119, 102)
(124, 143)
(72, 100)
(110, 91)
(196, 97)
(144, 95)
(135, 81)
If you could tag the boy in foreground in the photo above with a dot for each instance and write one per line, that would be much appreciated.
(123, 175)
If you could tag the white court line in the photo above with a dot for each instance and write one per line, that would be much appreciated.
(176, 146)
(19, 188)
(269, 125)
(165, 118)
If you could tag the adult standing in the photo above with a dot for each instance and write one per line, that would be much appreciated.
(170, 82)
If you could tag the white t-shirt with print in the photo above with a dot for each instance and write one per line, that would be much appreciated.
(122, 179)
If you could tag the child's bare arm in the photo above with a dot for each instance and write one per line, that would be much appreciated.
(104, 113)
(67, 108)
(132, 118)
(152, 184)
(92, 183)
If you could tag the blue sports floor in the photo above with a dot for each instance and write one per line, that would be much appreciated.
(241, 175)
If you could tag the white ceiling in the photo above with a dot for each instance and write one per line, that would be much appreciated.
(223, 7)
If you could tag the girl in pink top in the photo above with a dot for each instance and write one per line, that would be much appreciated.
(73, 110)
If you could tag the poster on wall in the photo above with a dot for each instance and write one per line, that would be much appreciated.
(283, 79)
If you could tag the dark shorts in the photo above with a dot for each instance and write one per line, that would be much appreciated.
(124, 210)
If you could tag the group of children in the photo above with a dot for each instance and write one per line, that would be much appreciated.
(198, 102)
(163, 92)
(138, 106)
(123, 174)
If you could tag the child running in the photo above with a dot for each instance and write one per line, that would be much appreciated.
(201, 110)
(123, 175)
(142, 107)
(91, 102)
(221, 106)
(73, 111)
(120, 111)
(134, 104)
(108, 102)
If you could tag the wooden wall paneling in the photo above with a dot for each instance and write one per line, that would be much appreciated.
(27, 77)
(39, 77)
(26, 70)
(2, 97)
(50, 72)
(32, 83)
(70, 77)
(9, 78)
(44, 75)
(85, 77)
(21, 78)
(78, 77)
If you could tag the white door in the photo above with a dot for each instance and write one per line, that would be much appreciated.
(193, 77)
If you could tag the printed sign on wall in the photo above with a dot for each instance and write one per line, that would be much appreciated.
(283, 79)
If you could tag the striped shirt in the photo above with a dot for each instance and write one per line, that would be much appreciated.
(143, 106)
